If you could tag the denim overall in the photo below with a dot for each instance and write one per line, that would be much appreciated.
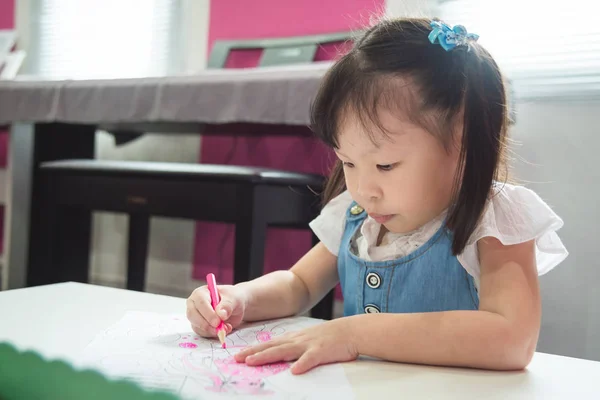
(428, 279)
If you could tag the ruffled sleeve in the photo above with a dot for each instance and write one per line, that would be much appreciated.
(515, 215)
(329, 225)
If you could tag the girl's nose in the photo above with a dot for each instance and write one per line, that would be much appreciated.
(368, 189)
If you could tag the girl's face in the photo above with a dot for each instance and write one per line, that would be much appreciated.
(403, 180)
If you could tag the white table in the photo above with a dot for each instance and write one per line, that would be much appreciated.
(39, 318)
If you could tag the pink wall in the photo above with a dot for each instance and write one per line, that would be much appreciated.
(7, 21)
(7, 14)
(234, 19)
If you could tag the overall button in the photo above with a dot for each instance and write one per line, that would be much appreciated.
(373, 280)
(371, 309)
(356, 209)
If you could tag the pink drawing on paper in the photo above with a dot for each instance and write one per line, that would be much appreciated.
(162, 353)
(222, 374)
(231, 376)
(263, 336)
(188, 345)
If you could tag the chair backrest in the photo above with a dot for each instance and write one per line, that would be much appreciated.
(277, 51)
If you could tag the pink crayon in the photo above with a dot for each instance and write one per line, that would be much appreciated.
(215, 299)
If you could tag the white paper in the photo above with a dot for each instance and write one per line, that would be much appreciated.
(162, 352)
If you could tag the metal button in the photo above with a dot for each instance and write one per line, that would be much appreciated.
(373, 280)
(356, 209)
(371, 309)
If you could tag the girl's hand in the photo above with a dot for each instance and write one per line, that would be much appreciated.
(323, 344)
(230, 310)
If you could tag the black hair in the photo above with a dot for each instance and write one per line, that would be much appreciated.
(393, 64)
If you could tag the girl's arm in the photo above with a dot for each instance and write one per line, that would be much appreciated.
(502, 334)
(285, 293)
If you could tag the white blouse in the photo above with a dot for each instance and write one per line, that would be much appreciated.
(514, 215)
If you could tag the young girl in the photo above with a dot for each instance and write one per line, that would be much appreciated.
(438, 260)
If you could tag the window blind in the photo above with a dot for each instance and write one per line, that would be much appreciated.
(104, 39)
(549, 50)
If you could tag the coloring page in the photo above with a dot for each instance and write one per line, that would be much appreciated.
(162, 352)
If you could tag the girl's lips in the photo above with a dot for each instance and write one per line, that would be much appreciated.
(380, 218)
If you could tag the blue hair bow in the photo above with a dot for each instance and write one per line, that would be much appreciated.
(449, 38)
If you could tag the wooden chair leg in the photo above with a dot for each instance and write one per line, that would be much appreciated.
(44, 242)
(137, 251)
(72, 252)
(65, 257)
(249, 257)
(60, 243)
(250, 237)
(324, 308)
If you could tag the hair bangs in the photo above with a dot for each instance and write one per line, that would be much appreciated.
(351, 89)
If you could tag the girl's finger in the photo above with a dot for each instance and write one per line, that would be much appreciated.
(206, 331)
(306, 362)
(285, 352)
(201, 299)
(195, 318)
(241, 356)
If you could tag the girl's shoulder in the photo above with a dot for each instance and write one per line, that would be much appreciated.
(329, 225)
(515, 214)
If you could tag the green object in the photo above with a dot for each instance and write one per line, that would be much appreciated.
(26, 375)
(277, 51)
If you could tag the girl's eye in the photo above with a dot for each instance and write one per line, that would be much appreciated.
(348, 164)
(386, 167)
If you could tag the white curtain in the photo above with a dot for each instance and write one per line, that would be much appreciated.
(548, 49)
(105, 39)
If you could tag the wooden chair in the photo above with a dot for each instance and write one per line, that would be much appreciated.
(249, 197)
